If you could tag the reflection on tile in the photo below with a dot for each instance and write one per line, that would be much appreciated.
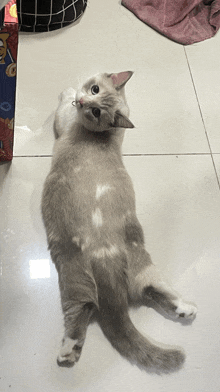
(39, 269)
(31, 143)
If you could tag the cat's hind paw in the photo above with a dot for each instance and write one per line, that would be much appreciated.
(185, 310)
(69, 353)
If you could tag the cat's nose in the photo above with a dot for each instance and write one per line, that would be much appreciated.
(81, 101)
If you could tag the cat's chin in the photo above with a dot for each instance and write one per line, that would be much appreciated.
(99, 131)
(93, 128)
(108, 129)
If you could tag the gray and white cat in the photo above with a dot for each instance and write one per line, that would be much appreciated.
(94, 236)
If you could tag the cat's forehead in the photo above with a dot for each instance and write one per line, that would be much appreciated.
(100, 79)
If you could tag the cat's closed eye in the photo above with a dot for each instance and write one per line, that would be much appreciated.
(95, 89)
(96, 112)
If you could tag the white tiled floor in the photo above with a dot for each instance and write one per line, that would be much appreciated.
(173, 157)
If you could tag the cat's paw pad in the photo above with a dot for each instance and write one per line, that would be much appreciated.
(69, 353)
(185, 310)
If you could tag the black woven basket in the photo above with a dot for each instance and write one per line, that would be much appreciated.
(48, 15)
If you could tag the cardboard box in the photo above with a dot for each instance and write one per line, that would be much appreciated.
(8, 61)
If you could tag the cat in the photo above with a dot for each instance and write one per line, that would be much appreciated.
(94, 236)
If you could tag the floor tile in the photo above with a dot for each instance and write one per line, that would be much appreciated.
(216, 158)
(178, 206)
(177, 196)
(160, 94)
(205, 67)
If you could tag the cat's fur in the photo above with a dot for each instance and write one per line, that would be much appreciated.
(94, 236)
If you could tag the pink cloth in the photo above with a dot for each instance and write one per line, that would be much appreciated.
(183, 21)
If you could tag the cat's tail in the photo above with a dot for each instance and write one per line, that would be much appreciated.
(117, 326)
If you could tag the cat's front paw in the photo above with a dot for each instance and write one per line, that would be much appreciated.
(185, 310)
(69, 353)
(67, 94)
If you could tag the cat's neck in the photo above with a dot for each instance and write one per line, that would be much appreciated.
(111, 138)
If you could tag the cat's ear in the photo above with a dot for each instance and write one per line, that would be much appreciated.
(120, 79)
(121, 121)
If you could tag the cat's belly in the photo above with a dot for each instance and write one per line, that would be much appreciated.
(86, 207)
(102, 209)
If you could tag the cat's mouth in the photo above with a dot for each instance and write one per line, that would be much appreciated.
(79, 103)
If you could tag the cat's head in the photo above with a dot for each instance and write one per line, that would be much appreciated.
(101, 103)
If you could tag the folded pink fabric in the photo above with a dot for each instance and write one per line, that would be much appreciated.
(183, 21)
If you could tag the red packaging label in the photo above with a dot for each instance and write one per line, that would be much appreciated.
(11, 12)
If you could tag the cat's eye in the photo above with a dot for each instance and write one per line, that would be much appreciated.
(95, 89)
(96, 112)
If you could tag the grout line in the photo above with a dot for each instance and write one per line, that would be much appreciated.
(169, 154)
(32, 156)
(133, 155)
(201, 114)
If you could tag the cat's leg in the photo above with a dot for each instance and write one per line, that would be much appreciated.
(76, 320)
(65, 113)
(158, 290)
(79, 301)
(148, 285)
